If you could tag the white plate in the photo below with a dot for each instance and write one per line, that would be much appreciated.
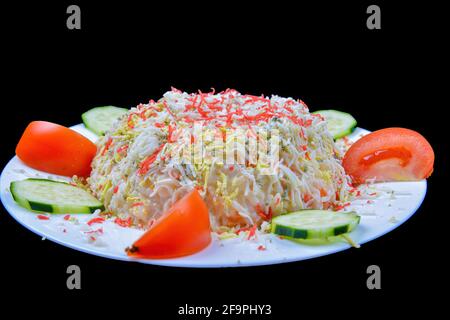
(383, 214)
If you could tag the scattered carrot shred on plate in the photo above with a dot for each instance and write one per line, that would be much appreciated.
(95, 220)
(252, 232)
(265, 216)
(97, 231)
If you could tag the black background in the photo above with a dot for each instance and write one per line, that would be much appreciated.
(128, 52)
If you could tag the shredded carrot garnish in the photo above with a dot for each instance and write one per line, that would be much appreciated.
(170, 137)
(340, 207)
(307, 197)
(99, 231)
(307, 156)
(252, 232)
(199, 188)
(123, 222)
(122, 148)
(168, 109)
(107, 146)
(137, 204)
(302, 133)
(95, 220)
(130, 120)
(261, 212)
(145, 165)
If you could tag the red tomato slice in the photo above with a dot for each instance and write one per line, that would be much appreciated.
(183, 230)
(56, 149)
(392, 154)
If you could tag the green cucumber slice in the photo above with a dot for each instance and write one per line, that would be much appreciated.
(53, 196)
(314, 224)
(100, 119)
(340, 124)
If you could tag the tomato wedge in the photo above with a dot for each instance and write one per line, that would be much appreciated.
(56, 149)
(183, 230)
(391, 154)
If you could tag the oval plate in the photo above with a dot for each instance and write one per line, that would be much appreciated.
(394, 203)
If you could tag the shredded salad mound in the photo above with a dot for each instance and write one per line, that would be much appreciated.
(138, 173)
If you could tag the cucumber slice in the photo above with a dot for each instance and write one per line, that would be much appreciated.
(100, 119)
(314, 224)
(53, 196)
(339, 123)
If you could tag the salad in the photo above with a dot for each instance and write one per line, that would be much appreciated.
(165, 167)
